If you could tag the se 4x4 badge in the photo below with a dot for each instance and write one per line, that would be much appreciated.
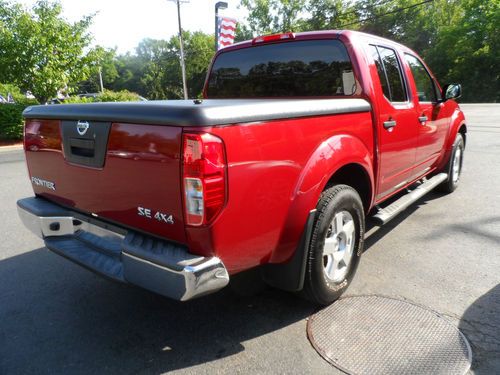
(157, 215)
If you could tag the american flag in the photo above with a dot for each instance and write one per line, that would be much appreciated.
(226, 29)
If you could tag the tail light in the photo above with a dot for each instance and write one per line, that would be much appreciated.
(204, 177)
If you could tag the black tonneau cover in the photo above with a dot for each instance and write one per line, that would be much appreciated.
(197, 113)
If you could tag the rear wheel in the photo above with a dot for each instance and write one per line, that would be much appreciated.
(336, 244)
(454, 166)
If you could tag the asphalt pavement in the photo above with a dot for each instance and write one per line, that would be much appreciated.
(443, 253)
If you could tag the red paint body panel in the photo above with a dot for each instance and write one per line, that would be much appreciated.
(276, 170)
(141, 170)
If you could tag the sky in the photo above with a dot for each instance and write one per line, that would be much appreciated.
(123, 24)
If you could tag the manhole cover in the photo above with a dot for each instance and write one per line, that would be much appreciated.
(380, 335)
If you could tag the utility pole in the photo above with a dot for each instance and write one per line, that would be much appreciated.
(100, 79)
(183, 64)
(218, 5)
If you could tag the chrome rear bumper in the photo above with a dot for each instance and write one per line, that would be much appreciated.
(127, 256)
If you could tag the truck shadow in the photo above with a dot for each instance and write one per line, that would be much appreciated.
(377, 233)
(58, 318)
(481, 325)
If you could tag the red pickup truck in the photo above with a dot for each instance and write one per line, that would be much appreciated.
(298, 139)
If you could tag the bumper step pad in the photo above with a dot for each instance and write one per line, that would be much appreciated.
(91, 252)
(123, 255)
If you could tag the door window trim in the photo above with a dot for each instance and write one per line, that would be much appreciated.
(402, 75)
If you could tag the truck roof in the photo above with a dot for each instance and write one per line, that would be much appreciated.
(322, 34)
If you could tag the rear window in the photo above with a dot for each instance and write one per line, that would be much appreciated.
(290, 69)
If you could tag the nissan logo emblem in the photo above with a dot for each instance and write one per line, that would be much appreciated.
(82, 127)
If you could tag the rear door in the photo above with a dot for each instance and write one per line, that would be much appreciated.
(433, 124)
(397, 122)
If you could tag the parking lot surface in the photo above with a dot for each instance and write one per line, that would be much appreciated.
(443, 253)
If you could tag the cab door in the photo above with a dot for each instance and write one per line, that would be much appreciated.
(397, 125)
(433, 124)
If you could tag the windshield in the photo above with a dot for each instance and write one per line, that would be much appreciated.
(290, 69)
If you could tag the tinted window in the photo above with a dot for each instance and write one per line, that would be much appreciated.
(423, 81)
(381, 72)
(305, 68)
(393, 72)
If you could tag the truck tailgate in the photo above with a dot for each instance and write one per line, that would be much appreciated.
(128, 174)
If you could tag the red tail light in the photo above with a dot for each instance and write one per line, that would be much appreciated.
(273, 38)
(204, 177)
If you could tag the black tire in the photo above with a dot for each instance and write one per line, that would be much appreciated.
(450, 185)
(337, 200)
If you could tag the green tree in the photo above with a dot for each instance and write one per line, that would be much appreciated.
(40, 51)
(199, 53)
(130, 70)
(161, 75)
(272, 16)
(472, 48)
(154, 55)
(103, 59)
(457, 38)
(329, 14)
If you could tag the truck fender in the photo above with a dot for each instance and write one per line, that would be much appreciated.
(286, 266)
(457, 121)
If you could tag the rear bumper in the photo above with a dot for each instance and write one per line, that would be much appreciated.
(123, 255)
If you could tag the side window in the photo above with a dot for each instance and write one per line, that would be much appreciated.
(425, 85)
(381, 73)
(393, 71)
(389, 71)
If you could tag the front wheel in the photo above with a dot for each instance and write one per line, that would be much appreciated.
(454, 166)
(336, 244)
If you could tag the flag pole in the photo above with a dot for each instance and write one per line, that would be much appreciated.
(183, 64)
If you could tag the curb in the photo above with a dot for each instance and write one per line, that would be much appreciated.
(11, 148)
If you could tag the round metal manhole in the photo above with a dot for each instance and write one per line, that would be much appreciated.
(381, 335)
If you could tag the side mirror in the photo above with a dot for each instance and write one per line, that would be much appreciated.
(452, 91)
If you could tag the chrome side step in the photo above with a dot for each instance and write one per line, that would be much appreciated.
(384, 215)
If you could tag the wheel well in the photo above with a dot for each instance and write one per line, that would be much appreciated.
(463, 131)
(355, 176)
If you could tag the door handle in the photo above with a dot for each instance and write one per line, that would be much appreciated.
(423, 119)
(390, 124)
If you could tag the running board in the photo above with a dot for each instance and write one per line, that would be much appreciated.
(384, 215)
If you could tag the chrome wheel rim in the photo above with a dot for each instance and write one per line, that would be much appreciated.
(457, 161)
(339, 246)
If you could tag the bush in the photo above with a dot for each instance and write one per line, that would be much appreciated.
(11, 119)
(117, 96)
(77, 100)
(106, 96)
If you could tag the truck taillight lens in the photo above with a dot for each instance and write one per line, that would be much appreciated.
(204, 177)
